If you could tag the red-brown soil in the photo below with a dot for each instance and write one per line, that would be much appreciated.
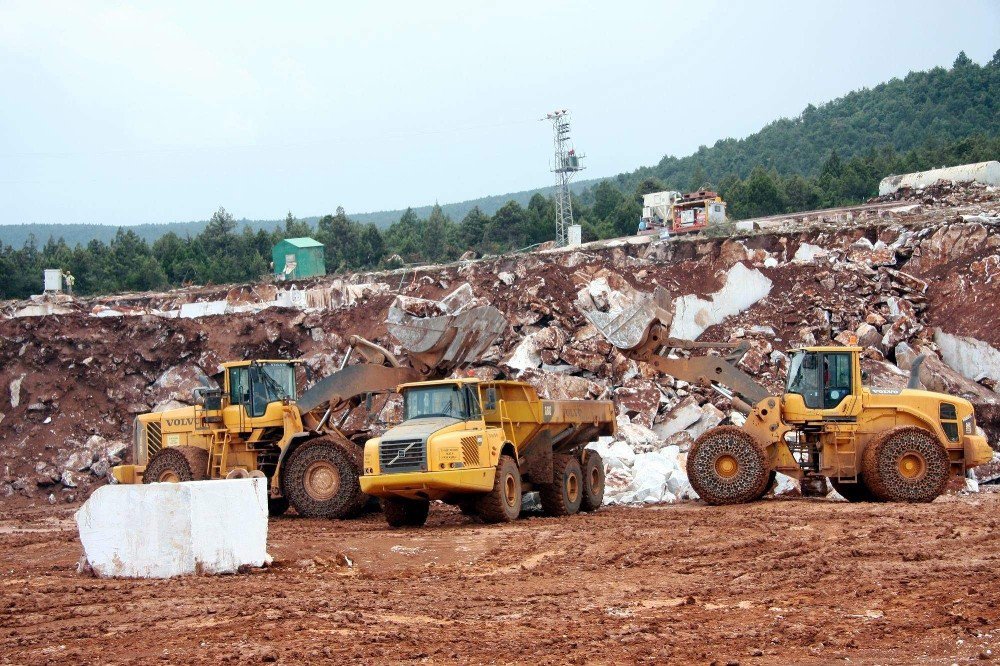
(779, 581)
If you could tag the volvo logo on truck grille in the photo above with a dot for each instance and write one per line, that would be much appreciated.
(406, 455)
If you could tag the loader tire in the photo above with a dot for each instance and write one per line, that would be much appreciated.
(727, 466)
(906, 464)
(401, 512)
(277, 506)
(593, 481)
(854, 492)
(361, 500)
(320, 479)
(503, 503)
(564, 495)
(176, 464)
(467, 507)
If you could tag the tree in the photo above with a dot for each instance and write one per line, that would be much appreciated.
(297, 228)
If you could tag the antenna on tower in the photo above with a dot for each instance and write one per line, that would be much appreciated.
(565, 163)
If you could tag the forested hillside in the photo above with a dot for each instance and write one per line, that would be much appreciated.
(833, 154)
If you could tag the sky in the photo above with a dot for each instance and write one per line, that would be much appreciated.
(148, 112)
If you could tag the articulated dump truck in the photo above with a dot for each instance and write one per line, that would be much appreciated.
(873, 444)
(481, 445)
(255, 423)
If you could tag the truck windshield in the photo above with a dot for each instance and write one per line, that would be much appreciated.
(452, 400)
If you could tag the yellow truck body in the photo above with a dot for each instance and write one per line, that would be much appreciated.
(455, 433)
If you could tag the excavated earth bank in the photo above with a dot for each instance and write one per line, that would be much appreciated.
(898, 273)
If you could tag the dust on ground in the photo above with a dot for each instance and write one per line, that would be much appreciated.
(779, 581)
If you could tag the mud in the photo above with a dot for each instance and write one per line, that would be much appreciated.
(778, 581)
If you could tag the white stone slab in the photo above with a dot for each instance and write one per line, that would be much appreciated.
(160, 530)
(692, 315)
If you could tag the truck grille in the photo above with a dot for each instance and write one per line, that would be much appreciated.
(470, 451)
(408, 455)
(154, 438)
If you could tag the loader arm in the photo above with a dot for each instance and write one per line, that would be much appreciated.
(640, 332)
(436, 346)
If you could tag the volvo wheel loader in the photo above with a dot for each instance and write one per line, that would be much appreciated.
(256, 423)
(481, 445)
(873, 444)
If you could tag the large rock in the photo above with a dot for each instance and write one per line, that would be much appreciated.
(177, 383)
(161, 530)
(935, 375)
(973, 358)
(692, 314)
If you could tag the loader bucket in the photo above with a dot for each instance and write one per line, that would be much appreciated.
(450, 339)
(628, 328)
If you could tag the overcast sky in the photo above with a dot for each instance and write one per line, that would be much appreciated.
(130, 112)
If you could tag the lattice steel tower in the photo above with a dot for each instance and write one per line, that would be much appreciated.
(565, 163)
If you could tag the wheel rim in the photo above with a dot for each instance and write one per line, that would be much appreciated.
(169, 476)
(572, 487)
(726, 466)
(595, 479)
(321, 480)
(912, 466)
(510, 489)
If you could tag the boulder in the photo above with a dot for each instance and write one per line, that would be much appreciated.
(161, 530)
(177, 384)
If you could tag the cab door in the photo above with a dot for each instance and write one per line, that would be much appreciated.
(235, 414)
(823, 386)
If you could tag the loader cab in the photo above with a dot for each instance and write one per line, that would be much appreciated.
(253, 388)
(824, 383)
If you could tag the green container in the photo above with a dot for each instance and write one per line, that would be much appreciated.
(298, 258)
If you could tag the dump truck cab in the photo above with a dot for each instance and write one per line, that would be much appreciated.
(481, 445)
(443, 445)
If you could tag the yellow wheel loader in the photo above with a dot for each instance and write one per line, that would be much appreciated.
(481, 445)
(873, 444)
(255, 423)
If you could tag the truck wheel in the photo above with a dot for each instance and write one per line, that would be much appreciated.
(727, 466)
(854, 492)
(401, 512)
(276, 506)
(320, 480)
(906, 464)
(503, 503)
(176, 464)
(564, 496)
(593, 481)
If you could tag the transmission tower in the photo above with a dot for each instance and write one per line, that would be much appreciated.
(565, 163)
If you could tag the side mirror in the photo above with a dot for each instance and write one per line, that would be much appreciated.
(491, 398)
(864, 375)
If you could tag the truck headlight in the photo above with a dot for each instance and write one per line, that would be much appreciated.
(969, 424)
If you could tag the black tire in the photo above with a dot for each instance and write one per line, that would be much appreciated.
(503, 503)
(593, 481)
(854, 492)
(727, 466)
(277, 506)
(320, 479)
(564, 495)
(176, 464)
(401, 512)
(361, 500)
(906, 464)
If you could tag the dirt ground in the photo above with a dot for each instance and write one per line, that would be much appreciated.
(780, 581)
